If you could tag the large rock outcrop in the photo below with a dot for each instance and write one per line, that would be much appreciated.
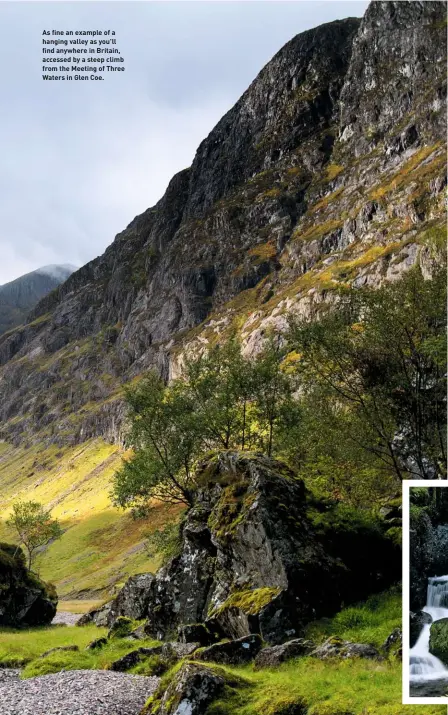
(25, 600)
(251, 560)
(329, 170)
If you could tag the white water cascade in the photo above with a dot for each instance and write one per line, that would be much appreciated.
(424, 666)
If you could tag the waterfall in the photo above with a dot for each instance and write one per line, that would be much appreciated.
(422, 665)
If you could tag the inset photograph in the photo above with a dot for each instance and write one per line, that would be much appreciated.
(426, 580)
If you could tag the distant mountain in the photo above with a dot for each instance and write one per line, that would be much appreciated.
(21, 295)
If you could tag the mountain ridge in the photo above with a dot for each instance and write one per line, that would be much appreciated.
(327, 172)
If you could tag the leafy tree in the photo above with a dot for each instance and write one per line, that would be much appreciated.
(277, 411)
(223, 401)
(34, 526)
(166, 438)
(220, 384)
(378, 362)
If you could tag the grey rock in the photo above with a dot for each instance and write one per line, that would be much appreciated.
(192, 690)
(195, 633)
(235, 652)
(181, 650)
(263, 569)
(25, 600)
(416, 622)
(394, 643)
(132, 600)
(330, 98)
(168, 653)
(96, 644)
(98, 616)
(126, 662)
(337, 648)
(138, 633)
(270, 657)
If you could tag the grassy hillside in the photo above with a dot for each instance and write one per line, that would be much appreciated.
(101, 545)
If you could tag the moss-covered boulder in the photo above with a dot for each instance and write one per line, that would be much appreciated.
(438, 640)
(25, 600)
(189, 689)
(258, 557)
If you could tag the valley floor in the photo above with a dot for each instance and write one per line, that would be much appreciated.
(306, 685)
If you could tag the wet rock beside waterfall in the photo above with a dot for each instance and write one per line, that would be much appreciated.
(439, 565)
(438, 640)
(422, 538)
(416, 623)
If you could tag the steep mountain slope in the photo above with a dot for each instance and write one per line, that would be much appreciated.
(328, 171)
(18, 297)
(101, 546)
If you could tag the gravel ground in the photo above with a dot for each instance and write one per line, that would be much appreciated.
(75, 692)
(65, 618)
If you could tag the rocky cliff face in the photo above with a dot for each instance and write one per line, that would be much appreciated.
(329, 170)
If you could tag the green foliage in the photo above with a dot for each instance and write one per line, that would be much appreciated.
(348, 407)
(369, 622)
(223, 401)
(315, 687)
(122, 627)
(438, 640)
(24, 645)
(375, 368)
(164, 542)
(34, 526)
(250, 601)
(98, 659)
(166, 439)
(419, 496)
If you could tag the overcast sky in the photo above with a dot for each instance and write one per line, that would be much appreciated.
(80, 159)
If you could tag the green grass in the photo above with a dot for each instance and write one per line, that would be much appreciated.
(354, 686)
(101, 545)
(99, 659)
(79, 606)
(351, 687)
(22, 646)
(369, 622)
